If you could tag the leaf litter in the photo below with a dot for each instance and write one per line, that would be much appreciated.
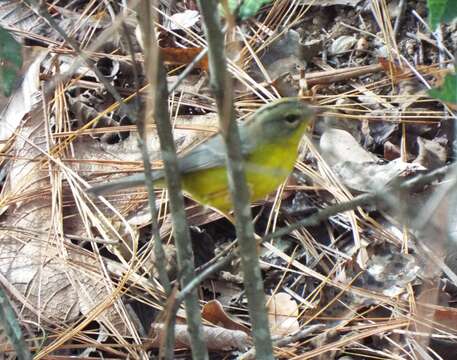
(75, 266)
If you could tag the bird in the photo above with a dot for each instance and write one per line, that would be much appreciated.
(269, 146)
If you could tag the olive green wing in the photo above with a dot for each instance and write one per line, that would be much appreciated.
(208, 154)
(211, 153)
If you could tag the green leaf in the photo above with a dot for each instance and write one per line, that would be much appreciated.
(250, 7)
(10, 61)
(448, 91)
(441, 11)
(450, 12)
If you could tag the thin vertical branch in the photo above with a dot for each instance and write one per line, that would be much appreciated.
(237, 180)
(160, 260)
(157, 77)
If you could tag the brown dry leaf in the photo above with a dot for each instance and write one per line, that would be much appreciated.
(50, 280)
(214, 312)
(216, 338)
(49, 286)
(282, 314)
(183, 56)
(177, 56)
(432, 153)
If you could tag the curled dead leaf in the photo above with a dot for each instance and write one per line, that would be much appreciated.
(214, 312)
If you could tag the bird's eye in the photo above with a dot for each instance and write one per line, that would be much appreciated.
(291, 118)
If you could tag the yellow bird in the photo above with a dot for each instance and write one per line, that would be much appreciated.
(269, 144)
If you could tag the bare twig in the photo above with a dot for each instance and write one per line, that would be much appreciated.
(157, 77)
(237, 180)
(160, 259)
(332, 76)
(205, 274)
(401, 10)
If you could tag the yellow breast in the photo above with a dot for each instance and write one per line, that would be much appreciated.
(266, 169)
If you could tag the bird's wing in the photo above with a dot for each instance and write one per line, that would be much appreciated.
(211, 153)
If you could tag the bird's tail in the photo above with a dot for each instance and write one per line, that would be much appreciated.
(124, 183)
